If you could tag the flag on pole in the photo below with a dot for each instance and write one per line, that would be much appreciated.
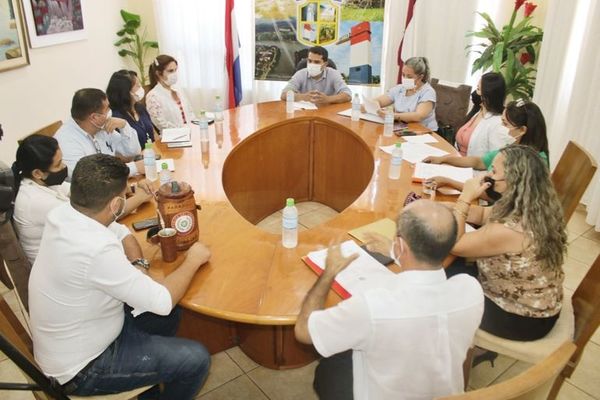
(403, 51)
(232, 57)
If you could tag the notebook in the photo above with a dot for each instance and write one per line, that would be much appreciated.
(175, 135)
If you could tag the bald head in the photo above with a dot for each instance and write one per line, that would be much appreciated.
(429, 229)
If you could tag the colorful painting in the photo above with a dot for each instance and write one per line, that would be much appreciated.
(350, 30)
(54, 21)
(13, 47)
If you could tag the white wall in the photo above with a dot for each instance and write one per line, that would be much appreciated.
(36, 95)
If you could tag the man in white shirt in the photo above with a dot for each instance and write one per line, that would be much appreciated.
(318, 83)
(88, 287)
(408, 340)
(92, 130)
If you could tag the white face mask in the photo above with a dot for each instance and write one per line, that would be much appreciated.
(171, 79)
(108, 117)
(120, 213)
(393, 254)
(313, 69)
(408, 83)
(138, 95)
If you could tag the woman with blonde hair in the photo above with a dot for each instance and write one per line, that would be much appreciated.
(520, 246)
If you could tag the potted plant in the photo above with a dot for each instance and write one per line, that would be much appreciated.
(511, 50)
(133, 45)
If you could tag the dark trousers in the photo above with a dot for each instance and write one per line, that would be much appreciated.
(146, 353)
(333, 377)
(502, 323)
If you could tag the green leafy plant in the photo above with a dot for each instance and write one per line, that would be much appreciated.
(133, 45)
(511, 51)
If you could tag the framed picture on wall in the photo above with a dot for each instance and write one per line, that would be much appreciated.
(13, 45)
(51, 22)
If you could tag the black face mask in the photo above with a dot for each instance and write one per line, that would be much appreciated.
(56, 178)
(491, 193)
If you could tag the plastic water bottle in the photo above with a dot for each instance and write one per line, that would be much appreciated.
(289, 229)
(388, 123)
(165, 174)
(149, 161)
(203, 127)
(355, 108)
(218, 109)
(289, 102)
(396, 162)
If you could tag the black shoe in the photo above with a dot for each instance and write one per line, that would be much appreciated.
(487, 356)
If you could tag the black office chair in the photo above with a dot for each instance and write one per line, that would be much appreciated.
(302, 64)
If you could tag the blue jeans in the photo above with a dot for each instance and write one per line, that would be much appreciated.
(145, 354)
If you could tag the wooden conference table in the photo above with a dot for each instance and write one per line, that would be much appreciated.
(251, 290)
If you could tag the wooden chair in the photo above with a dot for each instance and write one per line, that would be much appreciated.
(15, 260)
(17, 345)
(452, 103)
(48, 130)
(579, 319)
(533, 384)
(572, 174)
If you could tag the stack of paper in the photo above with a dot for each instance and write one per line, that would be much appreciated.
(175, 135)
(362, 274)
(426, 138)
(415, 152)
(425, 171)
(304, 105)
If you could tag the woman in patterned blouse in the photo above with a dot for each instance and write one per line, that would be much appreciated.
(520, 246)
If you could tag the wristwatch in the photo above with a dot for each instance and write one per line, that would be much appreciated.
(141, 262)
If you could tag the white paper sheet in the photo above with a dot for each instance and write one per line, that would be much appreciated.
(169, 162)
(426, 138)
(362, 274)
(371, 106)
(365, 116)
(174, 135)
(425, 171)
(416, 152)
(304, 105)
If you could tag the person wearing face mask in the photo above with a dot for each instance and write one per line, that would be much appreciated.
(520, 247)
(40, 175)
(406, 337)
(318, 83)
(483, 130)
(92, 129)
(99, 322)
(125, 95)
(526, 125)
(167, 105)
(414, 100)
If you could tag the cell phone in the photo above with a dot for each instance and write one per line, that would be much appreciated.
(145, 224)
(405, 133)
(381, 258)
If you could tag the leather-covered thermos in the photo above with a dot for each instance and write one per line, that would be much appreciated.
(177, 207)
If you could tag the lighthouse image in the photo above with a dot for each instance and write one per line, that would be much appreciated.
(359, 37)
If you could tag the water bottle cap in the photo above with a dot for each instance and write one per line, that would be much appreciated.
(202, 112)
(218, 97)
(148, 145)
(398, 144)
(289, 202)
(164, 166)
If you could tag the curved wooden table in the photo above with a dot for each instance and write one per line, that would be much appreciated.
(251, 291)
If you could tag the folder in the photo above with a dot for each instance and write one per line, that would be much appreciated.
(384, 226)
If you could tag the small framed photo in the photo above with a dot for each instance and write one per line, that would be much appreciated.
(51, 22)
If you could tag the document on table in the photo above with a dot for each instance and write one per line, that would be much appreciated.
(371, 106)
(304, 105)
(362, 274)
(174, 135)
(384, 226)
(425, 171)
(415, 152)
(170, 164)
(426, 138)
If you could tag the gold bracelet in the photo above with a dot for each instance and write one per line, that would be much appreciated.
(461, 213)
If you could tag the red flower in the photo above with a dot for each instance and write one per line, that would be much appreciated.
(529, 7)
(518, 4)
(525, 58)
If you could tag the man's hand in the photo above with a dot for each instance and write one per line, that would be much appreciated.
(198, 253)
(318, 97)
(114, 123)
(146, 186)
(335, 262)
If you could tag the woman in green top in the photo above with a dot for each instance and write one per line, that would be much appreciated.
(525, 123)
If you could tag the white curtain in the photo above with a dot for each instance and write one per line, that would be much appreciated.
(568, 84)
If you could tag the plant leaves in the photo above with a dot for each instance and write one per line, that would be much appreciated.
(151, 44)
(129, 16)
(498, 56)
(125, 53)
(123, 40)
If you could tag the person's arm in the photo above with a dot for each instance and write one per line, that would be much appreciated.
(315, 299)
(143, 192)
(442, 181)
(384, 100)
(465, 162)
(294, 84)
(72, 152)
(421, 112)
(343, 94)
(157, 113)
(321, 98)
(124, 137)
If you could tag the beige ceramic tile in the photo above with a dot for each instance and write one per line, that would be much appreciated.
(592, 234)
(239, 388)
(596, 337)
(308, 206)
(484, 374)
(314, 218)
(3, 289)
(9, 372)
(574, 272)
(570, 392)
(516, 369)
(577, 224)
(291, 384)
(584, 250)
(587, 374)
(222, 370)
(241, 359)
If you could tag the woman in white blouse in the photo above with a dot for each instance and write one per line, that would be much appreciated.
(484, 132)
(40, 175)
(168, 107)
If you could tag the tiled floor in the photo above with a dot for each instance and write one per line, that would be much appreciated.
(235, 376)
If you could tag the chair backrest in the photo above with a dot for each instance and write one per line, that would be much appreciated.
(16, 261)
(452, 102)
(533, 384)
(572, 174)
(302, 64)
(48, 130)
